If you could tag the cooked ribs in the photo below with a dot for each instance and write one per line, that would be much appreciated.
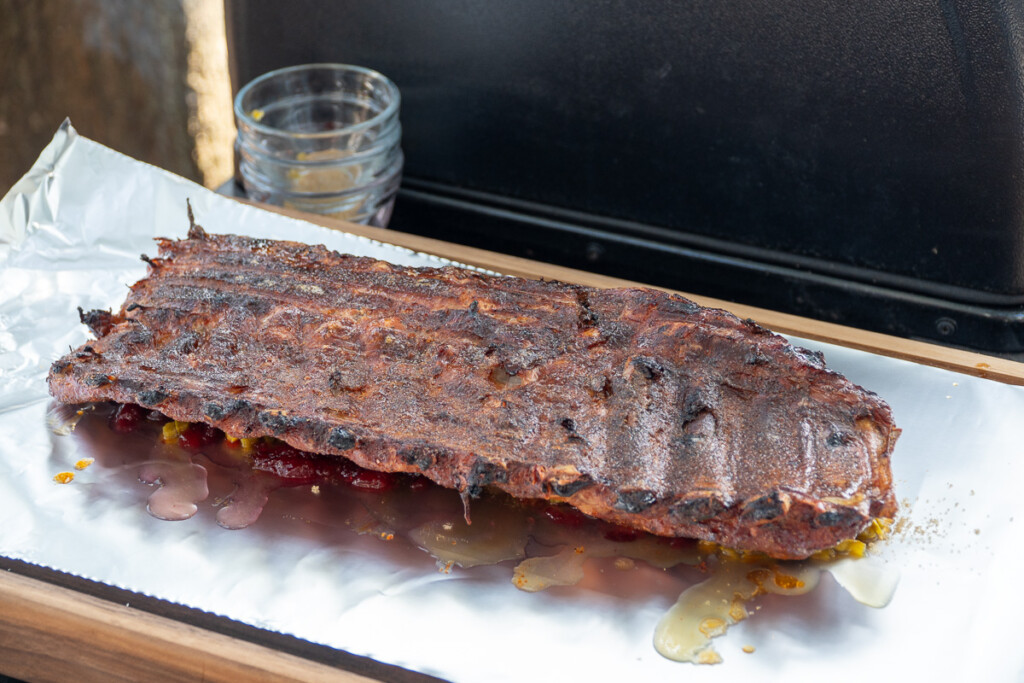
(635, 406)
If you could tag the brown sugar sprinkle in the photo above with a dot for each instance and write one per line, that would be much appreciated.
(83, 463)
(63, 477)
(749, 649)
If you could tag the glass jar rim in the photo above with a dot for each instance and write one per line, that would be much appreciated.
(387, 112)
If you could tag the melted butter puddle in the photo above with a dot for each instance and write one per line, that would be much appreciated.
(62, 419)
(490, 539)
(867, 579)
(565, 568)
(706, 610)
(497, 535)
(539, 573)
(703, 611)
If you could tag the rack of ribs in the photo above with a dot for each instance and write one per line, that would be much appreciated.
(636, 406)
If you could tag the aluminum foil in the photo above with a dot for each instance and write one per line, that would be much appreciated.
(71, 232)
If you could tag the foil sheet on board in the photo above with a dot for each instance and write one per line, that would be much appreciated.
(71, 232)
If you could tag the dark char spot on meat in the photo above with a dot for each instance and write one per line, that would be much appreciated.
(98, 322)
(187, 343)
(677, 304)
(698, 509)
(214, 411)
(587, 317)
(839, 438)
(564, 489)
(756, 357)
(815, 359)
(649, 367)
(85, 352)
(836, 517)
(754, 328)
(341, 438)
(420, 456)
(635, 501)
(278, 422)
(239, 404)
(570, 426)
(762, 508)
(138, 335)
(695, 404)
(152, 397)
(484, 472)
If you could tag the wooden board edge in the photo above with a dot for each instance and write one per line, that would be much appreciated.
(51, 633)
(924, 353)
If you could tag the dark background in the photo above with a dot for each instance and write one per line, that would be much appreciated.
(857, 162)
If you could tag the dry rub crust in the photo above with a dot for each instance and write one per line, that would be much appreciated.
(635, 406)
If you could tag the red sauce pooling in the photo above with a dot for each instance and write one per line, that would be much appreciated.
(565, 515)
(198, 435)
(127, 417)
(373, 481)
(298, 468)
(294, 467)
(417, 482)
(678, 542)
(622, 534)
(357, 477)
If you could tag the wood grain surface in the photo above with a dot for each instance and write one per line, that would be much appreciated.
(50, 633)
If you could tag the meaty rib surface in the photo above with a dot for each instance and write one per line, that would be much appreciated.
(635, 406)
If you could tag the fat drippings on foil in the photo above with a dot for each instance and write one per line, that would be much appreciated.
(550, 545)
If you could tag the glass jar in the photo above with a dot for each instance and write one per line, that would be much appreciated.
(322, 138)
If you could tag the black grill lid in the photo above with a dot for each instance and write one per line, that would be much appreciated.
(856, 162)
